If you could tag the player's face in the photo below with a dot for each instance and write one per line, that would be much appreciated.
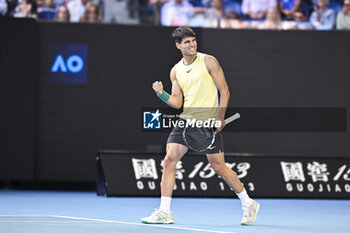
(188, 46)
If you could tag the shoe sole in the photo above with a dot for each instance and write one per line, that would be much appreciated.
(145, 222)
(256, 213)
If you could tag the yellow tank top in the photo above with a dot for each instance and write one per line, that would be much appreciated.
(199, 90)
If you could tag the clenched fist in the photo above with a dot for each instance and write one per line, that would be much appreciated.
(158, 87)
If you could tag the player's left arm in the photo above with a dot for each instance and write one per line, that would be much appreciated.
(218, 76)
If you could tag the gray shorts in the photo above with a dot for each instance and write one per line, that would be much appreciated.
(176, 136)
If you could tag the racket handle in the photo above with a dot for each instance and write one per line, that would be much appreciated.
(232, 118)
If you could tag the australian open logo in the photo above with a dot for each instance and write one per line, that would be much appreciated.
(152, 119)
(68, 63)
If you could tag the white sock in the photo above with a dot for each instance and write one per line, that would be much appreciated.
(165, 204)
(245, 199)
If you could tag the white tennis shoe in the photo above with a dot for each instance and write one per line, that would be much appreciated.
(159, 217)
(249, 213)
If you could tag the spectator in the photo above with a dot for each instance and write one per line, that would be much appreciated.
(343, 17)
(206, 3)
(157, 5)
(141, 11)
(232, 20)
(176, 13)
(91, 14)
(46, 9)
(11, 7)
(58, 3)
(25, 9)
(288, 7)
(199, 19)
(301, 20)
(45, 4)
(272, 21)
(76, 9)
(62, 14)
(3, 7)
(217, 12)
(323, 18)
(256, 9)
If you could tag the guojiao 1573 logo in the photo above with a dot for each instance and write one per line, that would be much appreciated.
(152, 119)
(68, 63)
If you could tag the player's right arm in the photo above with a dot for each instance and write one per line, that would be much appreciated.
(174, 100)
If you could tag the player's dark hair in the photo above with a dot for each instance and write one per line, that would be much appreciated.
(182, 32)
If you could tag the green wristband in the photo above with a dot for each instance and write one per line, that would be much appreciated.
(164, 96)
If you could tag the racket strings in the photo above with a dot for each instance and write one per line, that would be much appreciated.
(199, 139)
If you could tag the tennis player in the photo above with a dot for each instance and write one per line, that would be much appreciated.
(196, 77)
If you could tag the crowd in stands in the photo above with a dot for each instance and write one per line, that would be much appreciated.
(56, 10)
(237, 14)
(256, 14)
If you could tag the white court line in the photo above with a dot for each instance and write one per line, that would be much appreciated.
(24, 215)
(34, 221)
(111, 221)
(142, 224)
(39, 221)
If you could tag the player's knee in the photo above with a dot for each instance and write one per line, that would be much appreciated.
(169, 161)
(218, 168)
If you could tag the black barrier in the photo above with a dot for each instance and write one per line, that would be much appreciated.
(139, 174)
(18, 98)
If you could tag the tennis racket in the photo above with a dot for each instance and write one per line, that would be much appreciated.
(201, 138)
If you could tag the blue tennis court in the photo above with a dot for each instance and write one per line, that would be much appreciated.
(52, 211)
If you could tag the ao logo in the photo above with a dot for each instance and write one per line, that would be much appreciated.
(74, 64)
